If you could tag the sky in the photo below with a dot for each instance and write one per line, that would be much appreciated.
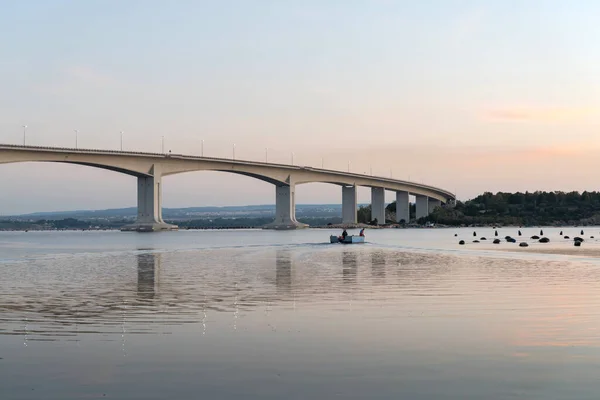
(470, 96)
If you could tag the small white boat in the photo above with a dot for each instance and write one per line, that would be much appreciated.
(350, 239)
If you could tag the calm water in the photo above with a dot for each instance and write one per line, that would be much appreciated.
(271, 315)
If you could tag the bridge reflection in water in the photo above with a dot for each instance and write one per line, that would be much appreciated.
(349, 266)
(283, 270)
(196, 286)
(148, 268)
(378, 266)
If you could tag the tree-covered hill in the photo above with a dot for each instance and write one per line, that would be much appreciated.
(536, 208)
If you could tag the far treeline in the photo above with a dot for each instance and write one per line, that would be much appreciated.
(536, 208)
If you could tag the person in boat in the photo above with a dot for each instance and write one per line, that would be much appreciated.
(344, 234)
(362, 232)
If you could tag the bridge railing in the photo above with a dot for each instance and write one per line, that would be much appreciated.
(220, 159)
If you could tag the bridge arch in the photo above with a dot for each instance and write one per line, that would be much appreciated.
(128, 167)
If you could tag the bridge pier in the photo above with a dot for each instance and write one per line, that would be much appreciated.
(149, 206)
(378, 205)
(422, 207)
(402, 207)
(349, 205)
(285, 209)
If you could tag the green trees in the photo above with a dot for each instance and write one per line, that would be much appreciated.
(537, 208)
(363, 214)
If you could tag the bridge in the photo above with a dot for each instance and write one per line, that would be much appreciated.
(150, 168)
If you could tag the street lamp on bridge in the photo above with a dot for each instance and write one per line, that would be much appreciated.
(76, 132)
(24, 130)
(121, 140)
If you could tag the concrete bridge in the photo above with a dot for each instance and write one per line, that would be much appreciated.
(150, 168)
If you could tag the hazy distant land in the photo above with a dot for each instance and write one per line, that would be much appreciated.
(503, 209)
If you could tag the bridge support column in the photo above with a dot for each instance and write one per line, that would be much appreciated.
(378, 205)
(432, 204)
(285, 209)
(349, 202)
(149, 212)
(422, 207)
(402, 207)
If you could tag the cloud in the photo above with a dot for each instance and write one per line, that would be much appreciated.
(565, 156)
(551, 114)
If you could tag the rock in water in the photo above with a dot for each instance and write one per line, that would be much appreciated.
(535, 237)
(496, 241)
(544, 240)
(577, 239)
(523, 244)
(566, 237)
(511, 240)
(475, 241)
(483, 238)
(461, 242)
(577, 243)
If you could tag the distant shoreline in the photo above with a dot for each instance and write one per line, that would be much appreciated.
(332, 226)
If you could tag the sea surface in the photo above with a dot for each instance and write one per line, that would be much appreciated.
(285, 315)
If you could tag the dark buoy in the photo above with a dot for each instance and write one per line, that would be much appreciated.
(591, 237)
(541, 232)
(496, 233)
(474, 233)
(496, 241)
(523, 244)
(560, 233)
(456, 234)
(577, 243)
(461, 242)
(581, 232)
(535, 237)
(544, 240)
(519, 233)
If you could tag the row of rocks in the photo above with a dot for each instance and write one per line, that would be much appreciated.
(576, 241)
(533, 237)
(498, 241)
